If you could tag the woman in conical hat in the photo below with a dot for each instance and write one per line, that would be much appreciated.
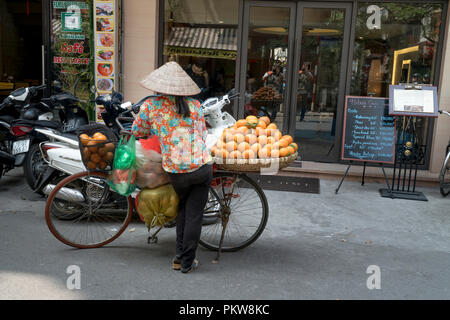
(178, 121)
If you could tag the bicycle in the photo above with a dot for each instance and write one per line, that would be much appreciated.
(236, 205)
(444, 176)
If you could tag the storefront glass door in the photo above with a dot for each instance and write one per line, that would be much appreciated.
(322, 41)
(267, 46)
(294, 59)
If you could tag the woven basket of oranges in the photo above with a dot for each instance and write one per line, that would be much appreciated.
(97, 146)
(254, 143)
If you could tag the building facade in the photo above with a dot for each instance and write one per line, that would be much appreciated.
(296, 61)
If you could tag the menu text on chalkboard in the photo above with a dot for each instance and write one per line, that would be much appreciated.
(369, 131)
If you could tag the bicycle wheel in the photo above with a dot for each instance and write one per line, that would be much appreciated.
(444, 177)
(97, 215)
(239, 202)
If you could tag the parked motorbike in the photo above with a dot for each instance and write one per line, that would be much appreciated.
(71, 117)
(61, 154)
(19, 112)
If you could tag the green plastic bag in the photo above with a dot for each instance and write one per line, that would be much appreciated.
(122, 178)
(158, 205)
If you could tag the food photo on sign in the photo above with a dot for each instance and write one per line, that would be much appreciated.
(104, 9)
(104, 84)
(105, 25)
(105, 69)
(105, 55)
(105, 40)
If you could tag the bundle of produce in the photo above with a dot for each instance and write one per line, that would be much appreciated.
(266, 93)
(157, 206)
(122, 178)
(97, 146)
(150, 173)
(253, 143)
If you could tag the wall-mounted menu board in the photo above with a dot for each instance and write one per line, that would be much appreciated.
(369, 130)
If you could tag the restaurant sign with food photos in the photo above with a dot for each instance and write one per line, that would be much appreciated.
(106, 20)
(84, 48)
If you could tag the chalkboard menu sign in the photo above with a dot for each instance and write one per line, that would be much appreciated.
(369, 131)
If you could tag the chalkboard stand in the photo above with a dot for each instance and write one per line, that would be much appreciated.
(363, 177)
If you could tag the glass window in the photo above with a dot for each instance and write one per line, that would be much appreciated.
(202, 37)
(395, 43)
(20, 44)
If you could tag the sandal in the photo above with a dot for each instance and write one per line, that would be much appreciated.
(193, 267)
(176, 263)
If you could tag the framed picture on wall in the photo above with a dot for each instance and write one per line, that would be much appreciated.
(413, 100)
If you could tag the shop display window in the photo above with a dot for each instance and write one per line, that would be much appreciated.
(396, 43)
(202, 37)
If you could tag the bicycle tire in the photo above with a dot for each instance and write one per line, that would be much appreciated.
(444, 185)
(72, 243)
(214, 245)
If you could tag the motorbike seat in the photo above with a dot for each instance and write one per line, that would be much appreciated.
(39, 123)
(7, 119)
(70, 136)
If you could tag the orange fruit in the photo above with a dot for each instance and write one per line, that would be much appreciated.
(91, 165)
(261, 124)
(243, 146)
(231, 146)
(275, 145)
(110, 146)
(288, 138)
(234, 155)
(255, 148)
(109, 156)
(272, 126)
(99, 137)
(251, 139)
(228, 138)
(95, 157)
(85, 153)
(294, 145)
(260, 131)
(221, 153)
(284, 152)
(242, 130)
(265, 119)
(264, 152)
(290, 150)
(239, 137)
(271, 140)
(102, 165)
(102, 151)
(275, 153)
(92, 146)
(84, 138)
(251, 119)
(214, 151)
(277, 134)
(283, 143)
(262, 140)
(241, 123)
(220, 144)
(249, 154)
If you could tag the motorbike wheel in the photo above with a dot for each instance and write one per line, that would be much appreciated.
(33, 166)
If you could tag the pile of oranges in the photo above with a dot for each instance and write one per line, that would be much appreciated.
(96, 151)
(254, 138)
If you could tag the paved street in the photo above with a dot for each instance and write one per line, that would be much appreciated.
(315, 246)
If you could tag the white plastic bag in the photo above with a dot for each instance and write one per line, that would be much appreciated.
(150, 173)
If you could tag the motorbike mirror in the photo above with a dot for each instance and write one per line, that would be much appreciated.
(57, 85)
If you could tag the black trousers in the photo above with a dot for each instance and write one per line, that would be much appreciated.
(192, 189)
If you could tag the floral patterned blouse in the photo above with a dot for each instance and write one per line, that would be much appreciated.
(182, 139)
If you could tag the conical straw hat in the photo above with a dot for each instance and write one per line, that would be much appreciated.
(171, 79)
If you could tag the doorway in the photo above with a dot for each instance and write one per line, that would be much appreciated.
(295, 57)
